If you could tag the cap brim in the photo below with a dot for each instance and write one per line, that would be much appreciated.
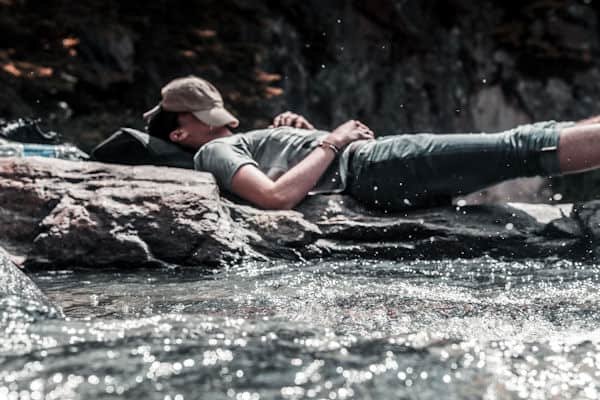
(217, 117)
(151, 113)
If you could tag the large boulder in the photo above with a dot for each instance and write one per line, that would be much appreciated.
(92, 214)
(82, 214)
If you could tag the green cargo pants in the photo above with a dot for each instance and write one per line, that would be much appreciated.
(419, 170)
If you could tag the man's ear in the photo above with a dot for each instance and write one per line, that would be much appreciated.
(178, 135)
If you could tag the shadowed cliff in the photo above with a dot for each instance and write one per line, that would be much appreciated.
(89, 67)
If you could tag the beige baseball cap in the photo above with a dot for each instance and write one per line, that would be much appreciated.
(197, 96)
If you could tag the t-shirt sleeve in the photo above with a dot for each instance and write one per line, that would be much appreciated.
(223, 161)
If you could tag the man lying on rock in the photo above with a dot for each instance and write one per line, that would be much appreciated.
(276, 168)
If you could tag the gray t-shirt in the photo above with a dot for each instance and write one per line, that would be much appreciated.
(274, 151)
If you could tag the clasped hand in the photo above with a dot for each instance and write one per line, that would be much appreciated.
(341, 136)
(289, 118)
(349, 132)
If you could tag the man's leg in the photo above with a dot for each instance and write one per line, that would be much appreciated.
(406, 171)
(579, 148)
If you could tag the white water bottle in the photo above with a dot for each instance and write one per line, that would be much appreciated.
(65, 152)
(11, 149)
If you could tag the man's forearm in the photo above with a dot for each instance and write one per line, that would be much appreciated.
(294, 185)
(250, 183)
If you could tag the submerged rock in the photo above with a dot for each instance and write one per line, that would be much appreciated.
(84, 214)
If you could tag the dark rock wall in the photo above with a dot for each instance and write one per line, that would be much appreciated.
(401, 66)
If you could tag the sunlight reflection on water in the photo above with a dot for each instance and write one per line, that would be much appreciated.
(354, 329)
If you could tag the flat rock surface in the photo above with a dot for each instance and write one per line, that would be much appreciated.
(58, 213)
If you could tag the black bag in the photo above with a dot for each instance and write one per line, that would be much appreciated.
(132, 147)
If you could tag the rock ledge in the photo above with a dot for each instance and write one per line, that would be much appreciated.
(82, 214)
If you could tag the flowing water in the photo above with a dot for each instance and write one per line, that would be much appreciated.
(360, 329)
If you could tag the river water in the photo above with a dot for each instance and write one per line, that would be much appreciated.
(358, 329)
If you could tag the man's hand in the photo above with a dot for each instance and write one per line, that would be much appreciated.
(349, 132)
(288, 118)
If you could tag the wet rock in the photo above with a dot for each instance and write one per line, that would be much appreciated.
(275, 233)
(562, 227)
(84, 214)
(503, 230)
(588, 215)
(90, 214)
(20, 298)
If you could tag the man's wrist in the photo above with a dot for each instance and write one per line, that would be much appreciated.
(340, 144)
(329, 145)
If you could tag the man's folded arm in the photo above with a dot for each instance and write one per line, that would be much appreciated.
(289, 118)
(289, 189)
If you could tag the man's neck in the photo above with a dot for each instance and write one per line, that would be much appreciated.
(222, 131)
(217, 133)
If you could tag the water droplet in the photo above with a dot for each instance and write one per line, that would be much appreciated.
(509, 226)
(557, 197)
(57, 378)
(339, 21)
(188, 363)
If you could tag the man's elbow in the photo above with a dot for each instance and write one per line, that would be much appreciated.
(277, 201)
